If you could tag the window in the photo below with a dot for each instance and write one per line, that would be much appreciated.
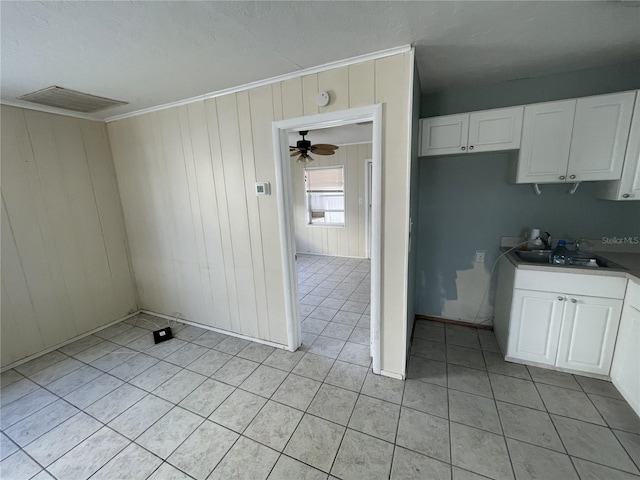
(325, 195)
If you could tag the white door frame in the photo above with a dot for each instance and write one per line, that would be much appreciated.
(284, 193)
(368, 164)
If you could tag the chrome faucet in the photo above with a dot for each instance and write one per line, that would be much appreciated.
(548, 243)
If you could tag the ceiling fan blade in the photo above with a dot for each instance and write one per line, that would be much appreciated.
(323, 152)
(324, 146)
(293, 148)
(294, 153)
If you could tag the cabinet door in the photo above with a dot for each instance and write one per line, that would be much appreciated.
(444, 135)
(626, 359)
(628, 187)
(588, 334)
(494, 130)
(535, 325)
(546, 141)
(600, 134)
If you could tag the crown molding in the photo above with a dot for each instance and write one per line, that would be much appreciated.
(260, 83)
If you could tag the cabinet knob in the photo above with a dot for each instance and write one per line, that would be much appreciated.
(573, 300)
(561, 298)
(471, 147)
(572, 177)
(561, 177)
(626, 195)
(463, 148)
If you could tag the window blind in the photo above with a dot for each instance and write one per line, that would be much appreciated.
(325, 179)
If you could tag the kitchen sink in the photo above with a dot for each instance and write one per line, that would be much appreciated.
(578, 260)
(583, 260)
(535, 256)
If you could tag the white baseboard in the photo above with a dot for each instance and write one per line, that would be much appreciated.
(214, 329)
(66, 342)
(386, 373)
(330, 255)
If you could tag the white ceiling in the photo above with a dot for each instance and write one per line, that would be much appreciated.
(152, 53)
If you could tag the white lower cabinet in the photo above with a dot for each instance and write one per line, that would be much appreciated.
(568, 331)
(535, 326)
(625, 369)
(566, 326)
(588, 333)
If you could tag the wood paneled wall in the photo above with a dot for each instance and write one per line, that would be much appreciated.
(202, 243)
(347, 241)
(65, 269)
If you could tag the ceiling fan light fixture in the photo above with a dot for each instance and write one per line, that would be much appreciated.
(304, 159)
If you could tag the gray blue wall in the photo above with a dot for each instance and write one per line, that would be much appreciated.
(414, 208)
(466, 203)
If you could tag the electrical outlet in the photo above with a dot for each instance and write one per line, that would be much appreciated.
(480, 256)
(162, 335)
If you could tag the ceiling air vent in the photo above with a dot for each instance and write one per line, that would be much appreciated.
(70, 100)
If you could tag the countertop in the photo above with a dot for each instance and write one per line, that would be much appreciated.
(629, 261)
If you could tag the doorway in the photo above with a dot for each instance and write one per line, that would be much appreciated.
(285, 197)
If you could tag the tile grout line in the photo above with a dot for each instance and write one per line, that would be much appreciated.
(321, 383)
(545, 411)
(147, 394)
(504, 437)
(315, 395)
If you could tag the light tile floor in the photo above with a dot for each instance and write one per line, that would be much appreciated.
(207, 406)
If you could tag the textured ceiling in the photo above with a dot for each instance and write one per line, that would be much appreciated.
(152, 53)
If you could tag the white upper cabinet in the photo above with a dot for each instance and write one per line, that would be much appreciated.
(575, 140)
(444, 135)
(486, 131)
(494, 130)
(546, 140)
(600, 134)
(628, 187)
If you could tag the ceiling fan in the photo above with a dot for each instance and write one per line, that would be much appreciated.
(303, 148)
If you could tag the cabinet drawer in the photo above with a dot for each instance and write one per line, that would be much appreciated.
(633, 294)
(571, 283)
